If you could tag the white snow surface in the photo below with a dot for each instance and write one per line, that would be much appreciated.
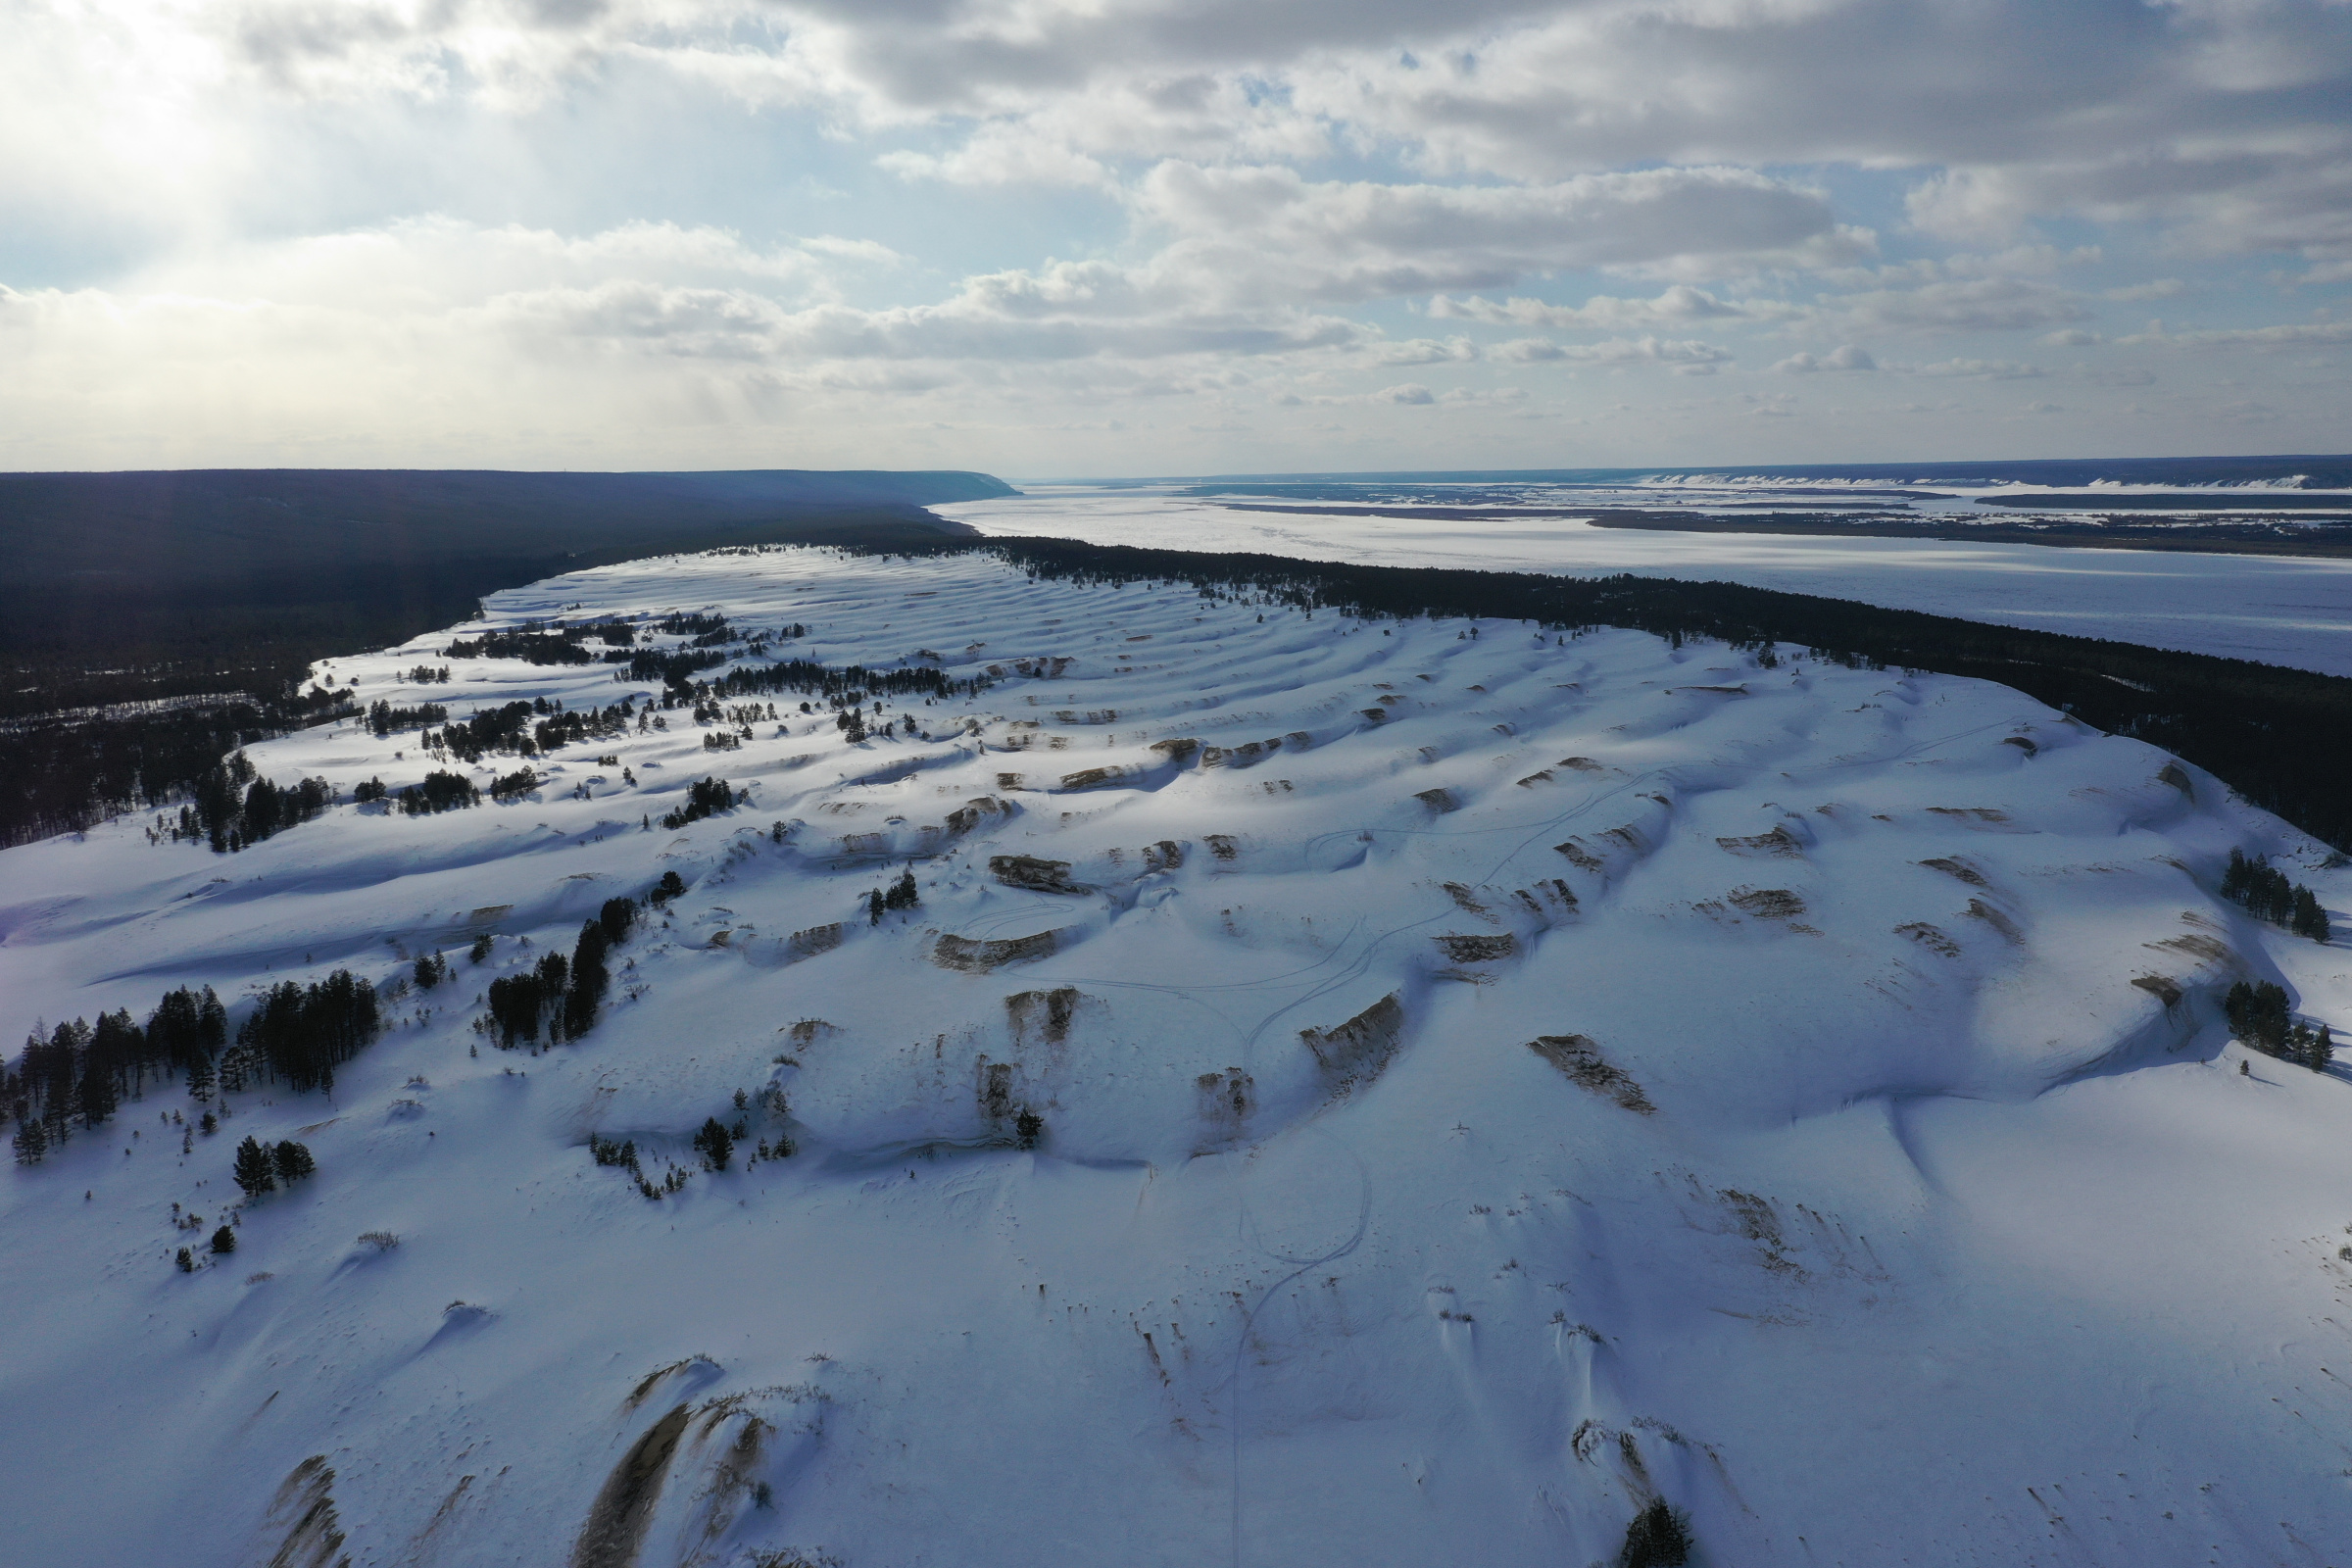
(1859, 1199)
(2278, 610)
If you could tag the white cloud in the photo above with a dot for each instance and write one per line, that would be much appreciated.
(231, 196)
(1974, 369)
(1677, 306)
(1426, 351)
(1978, 305)
(1844, 356)
(2287, 335)
(2256, 195)
(2156, 288)
(1484, 398)
(1407, 394)
(1261, 232)
(1682, 351)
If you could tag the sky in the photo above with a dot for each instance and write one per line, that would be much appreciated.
(1096, 237)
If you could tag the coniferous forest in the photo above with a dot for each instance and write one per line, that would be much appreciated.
(153, 623)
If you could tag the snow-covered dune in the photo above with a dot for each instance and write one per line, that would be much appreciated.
(1350, 1093)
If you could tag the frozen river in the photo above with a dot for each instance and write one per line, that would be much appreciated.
(2280, 610)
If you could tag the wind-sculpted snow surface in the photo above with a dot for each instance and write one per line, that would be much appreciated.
(1348, 1093)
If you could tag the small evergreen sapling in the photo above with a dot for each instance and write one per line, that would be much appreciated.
(899, 895)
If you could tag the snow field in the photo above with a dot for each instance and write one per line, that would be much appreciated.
(1486, 1083)
(2277, 610)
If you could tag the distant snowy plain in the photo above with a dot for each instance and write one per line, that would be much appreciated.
(1487, 1083)
(2280, 610)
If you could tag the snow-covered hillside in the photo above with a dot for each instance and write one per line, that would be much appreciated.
(1474, 1084)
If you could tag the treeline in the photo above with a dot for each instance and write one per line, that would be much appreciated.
(2259, 1016)
(2281, 738)
(534, 645)
(2267, 892)
(232, 808)
(439, 792)
(150, 624)
(80, 1072)
(560, 997)
(849, 684)
(704, 798)
(538, 725)
(706, 628)
(675, 670)
(385, 719)
(303, 1033)
(63, 774)
(558, 643)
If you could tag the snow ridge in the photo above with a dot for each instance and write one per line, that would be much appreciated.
(1348, 1092)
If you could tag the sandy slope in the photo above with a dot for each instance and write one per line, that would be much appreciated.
(1537, 1077)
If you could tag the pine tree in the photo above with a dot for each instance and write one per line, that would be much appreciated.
(293, 1162)
(2259, 1016)
(716, 1144)
(589, 978)
(255, 1170)
(31, 1144)
(2310, 920)
(1658, 1537)
(200, 1079)
(97, 1086)
(224, 1242)
(617, 917)
(2322, 1050)
(187, 1261)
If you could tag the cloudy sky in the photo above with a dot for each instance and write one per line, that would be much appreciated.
(1073, 237)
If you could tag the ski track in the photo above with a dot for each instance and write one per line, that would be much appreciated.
(1928, 1236)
